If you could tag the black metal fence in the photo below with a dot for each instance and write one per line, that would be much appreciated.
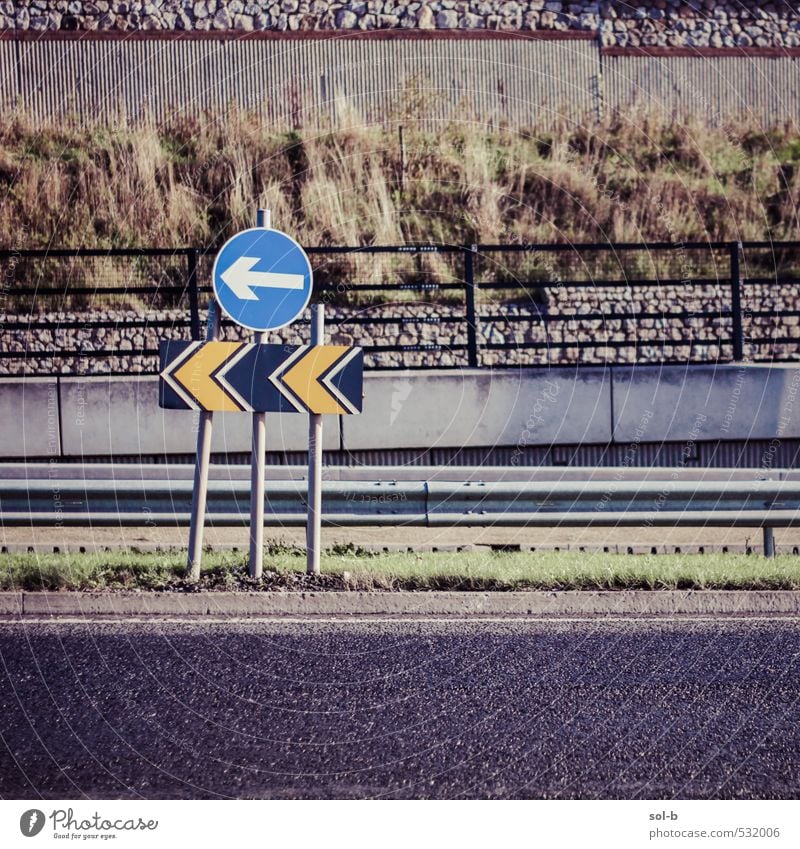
(103, 311)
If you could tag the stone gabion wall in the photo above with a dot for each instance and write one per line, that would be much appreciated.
(439, 332)
(668, 23)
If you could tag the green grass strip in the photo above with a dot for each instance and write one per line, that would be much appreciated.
(354, 569)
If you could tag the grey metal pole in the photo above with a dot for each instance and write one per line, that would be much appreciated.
(202, 462)
(314, 525)
(769, 542)
(258, 459)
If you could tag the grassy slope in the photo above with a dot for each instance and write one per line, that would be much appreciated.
(629, 178)
(351, 569)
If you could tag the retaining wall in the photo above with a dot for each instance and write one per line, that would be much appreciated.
(71, 417)
(694, 23)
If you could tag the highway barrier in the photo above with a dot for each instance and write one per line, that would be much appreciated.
(766, 504)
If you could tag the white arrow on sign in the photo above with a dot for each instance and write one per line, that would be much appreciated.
(241, 279)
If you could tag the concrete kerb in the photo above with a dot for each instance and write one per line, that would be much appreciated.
(280, 604)
(11, 604)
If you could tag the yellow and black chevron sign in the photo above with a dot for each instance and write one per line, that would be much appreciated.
(240, 377)
(307, 376)
(197, 376)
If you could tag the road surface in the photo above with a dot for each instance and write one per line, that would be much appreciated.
(400, 709)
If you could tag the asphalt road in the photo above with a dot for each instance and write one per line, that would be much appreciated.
(503, 709)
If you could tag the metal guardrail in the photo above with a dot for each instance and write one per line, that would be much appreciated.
(630, 475)
(485, 287)
(751, 504)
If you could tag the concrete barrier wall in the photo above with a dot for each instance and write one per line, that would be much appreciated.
(30, 423)
(121, 416)
(450, 409)
(677, 404)
(73, 417)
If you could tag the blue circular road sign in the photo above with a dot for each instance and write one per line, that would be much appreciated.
(262, 279)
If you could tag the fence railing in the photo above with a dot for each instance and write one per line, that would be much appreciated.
(104, 311)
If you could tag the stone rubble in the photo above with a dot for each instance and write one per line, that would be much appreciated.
(656, 23)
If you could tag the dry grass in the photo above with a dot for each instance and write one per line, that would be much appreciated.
(631, 177)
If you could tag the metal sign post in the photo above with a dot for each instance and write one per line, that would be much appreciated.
(257, 473)
(202, 461)
(258, 458)
(314, 525)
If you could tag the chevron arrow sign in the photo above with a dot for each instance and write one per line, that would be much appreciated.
(242, 377)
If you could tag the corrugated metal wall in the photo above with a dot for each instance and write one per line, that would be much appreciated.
(757, 87)
(8, 75)
(319, 81)
(303, 81)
